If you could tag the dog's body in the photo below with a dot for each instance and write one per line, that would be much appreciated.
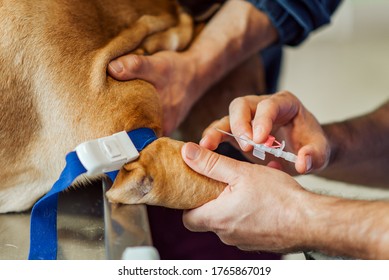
(55, 93)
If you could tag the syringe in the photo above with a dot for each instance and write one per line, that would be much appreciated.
(260, 149)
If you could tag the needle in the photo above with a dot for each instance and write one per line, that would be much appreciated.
(260, 149)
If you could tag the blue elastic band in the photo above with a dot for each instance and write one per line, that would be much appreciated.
(141, 137)
(43, 229)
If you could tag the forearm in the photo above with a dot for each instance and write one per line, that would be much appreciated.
(360, 149)
(356, 229)
(235, 33)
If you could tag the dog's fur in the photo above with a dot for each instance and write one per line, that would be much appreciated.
(55, 94)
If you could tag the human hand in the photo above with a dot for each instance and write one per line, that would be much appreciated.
(182, 78)
(282, 115)
(171, 73)
(260, 209)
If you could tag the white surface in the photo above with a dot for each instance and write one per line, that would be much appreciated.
(141, 253)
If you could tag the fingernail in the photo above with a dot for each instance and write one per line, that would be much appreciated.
(243, 143)
(192, 151)
(258, 131)
(203, 140)
(308, 160)
(116, 66)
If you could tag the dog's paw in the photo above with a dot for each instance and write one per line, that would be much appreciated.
(134, 185)
(161, 177)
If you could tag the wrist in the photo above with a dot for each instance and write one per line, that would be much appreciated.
(261, 28)
(317, 215)
(219, 49)
(335, 135)
(343, 152)
(300, 216)
(196, 83)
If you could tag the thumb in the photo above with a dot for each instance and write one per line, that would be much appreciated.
(210, 164)
(130, 67)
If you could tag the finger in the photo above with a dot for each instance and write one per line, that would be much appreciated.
(210, 164)
(132, 66)
(304, 161)
(241, 114)
(314, 151)
(279, 109)
(199, 219)
(204, 218)
(312, 157)
(212, 137)
(275, 165)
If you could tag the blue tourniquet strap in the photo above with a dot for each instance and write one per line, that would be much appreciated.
(43, 228)
(141, 137)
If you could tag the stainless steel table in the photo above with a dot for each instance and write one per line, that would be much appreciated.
(89, 227)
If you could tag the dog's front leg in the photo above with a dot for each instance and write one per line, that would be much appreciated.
(161, 177)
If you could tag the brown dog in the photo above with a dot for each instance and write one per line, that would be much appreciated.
(55, 94)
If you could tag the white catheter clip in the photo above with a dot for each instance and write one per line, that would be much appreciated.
(106, 154)
(260, 149)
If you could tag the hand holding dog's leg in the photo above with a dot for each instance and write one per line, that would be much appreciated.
(265, 209)
(259, 208)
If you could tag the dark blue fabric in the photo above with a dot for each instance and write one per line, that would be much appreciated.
(294, 21)
(43, 228)
(272, 59)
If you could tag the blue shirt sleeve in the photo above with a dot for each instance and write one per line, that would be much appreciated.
(295, 19)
